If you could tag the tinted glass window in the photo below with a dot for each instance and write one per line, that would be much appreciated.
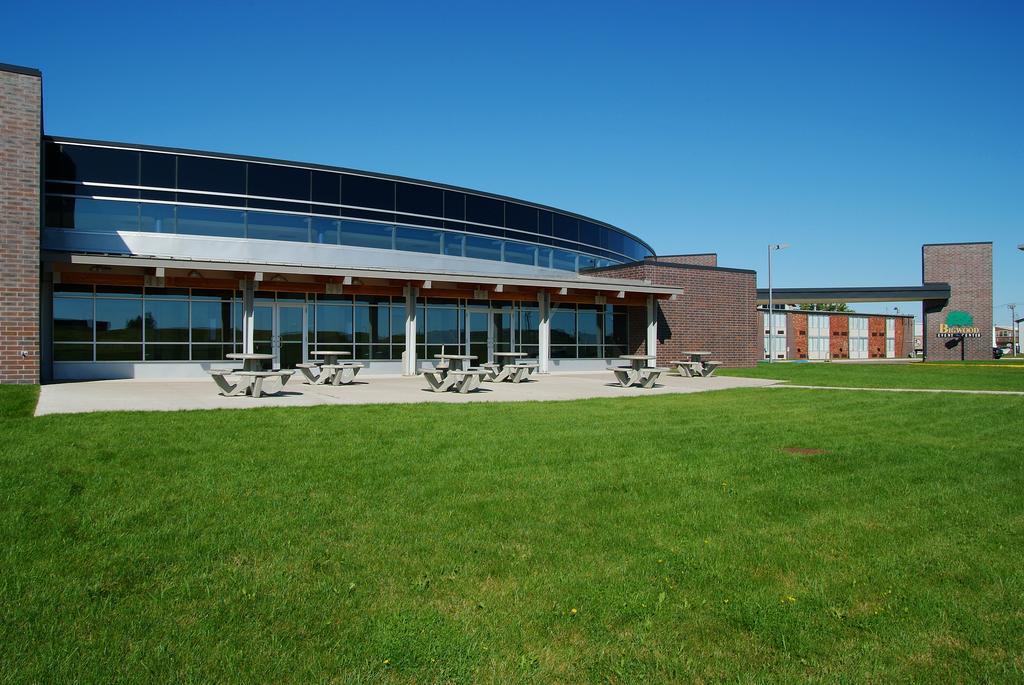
(563, 325)
(520, 217)
(590, 323)
(544, 223)
(371, 214)
(72, 320)
(442, 326)
(616, 241)
(334, 323)
(483, 248)
(324, 231)
(99, 164)
(278, 181)
(159, 170)
(415, 240)
(484, 210)
(326, 187)
(105, 216)
(266, 226)
(156, 218)
(420, 199)
(166, 321)
(276, 205)
(227, 223)
(454, 205)
(590, 234)
(211, 320)
(453, 244)
(519, 253)
(165, 353)
(565, 227)
(561, 259)
(366, 235)
(372, 324)
(486, 230)
(118, 320)
(361, 191)
(213, 175)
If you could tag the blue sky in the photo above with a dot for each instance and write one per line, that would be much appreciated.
(853, 131)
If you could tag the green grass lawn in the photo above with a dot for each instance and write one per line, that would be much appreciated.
(668, 538)
(993, 375)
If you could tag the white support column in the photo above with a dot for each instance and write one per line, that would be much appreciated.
(409, 368)
(652, 329)
(248, 314)
(544, 333)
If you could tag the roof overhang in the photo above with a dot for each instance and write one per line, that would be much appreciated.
(910, 293)
(573, 283)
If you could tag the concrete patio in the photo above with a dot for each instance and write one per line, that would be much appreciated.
(174, 395)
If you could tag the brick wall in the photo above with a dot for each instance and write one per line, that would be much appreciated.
(796, 336)
(902, 337)
(876, 337)
(839, 336)
(717, 311)
(967, 267)
(704, 259)
(20, 139)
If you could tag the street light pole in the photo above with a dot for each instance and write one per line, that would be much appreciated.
(771, 301)
(1013, 328)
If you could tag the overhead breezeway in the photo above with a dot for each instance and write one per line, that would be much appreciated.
(910, 293)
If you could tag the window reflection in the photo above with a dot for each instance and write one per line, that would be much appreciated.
(228, 182)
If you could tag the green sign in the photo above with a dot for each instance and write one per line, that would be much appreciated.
(959, 324)
(959, 318)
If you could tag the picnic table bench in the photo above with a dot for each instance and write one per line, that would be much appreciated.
(460, 380)
(637, 373)
(249, 383)
(695, 369)
(512, 371)
(314, 371)
(341, 373)
(645, 377)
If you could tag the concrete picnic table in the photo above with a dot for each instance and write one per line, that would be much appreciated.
(328, 367)
(637, 373)
(504, 357)
(457, 360)
(638, 361)
(508, 367)
(454, 376)
(696, 365)
(251, 361)
(330, 356)
(252, 374)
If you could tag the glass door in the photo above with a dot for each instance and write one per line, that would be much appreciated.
(280, 330)
(291, 336)
(479, 340)
(263, 329)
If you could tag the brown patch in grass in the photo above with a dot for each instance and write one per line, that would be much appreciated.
(803, 450)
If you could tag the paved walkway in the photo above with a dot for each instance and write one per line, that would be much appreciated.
(171, 395)
(949, 390)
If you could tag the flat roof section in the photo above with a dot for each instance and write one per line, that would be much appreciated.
(909, 293)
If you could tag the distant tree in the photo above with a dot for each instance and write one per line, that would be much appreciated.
(826, 307)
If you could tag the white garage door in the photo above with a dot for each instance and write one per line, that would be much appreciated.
(858, 337)
(817, 336)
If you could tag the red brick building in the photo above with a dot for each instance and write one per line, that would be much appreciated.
(817, 335)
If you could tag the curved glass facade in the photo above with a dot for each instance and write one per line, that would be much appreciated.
(102, 187)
